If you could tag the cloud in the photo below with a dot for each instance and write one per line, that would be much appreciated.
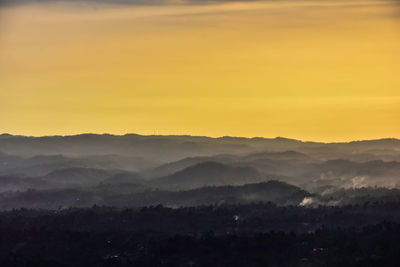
(307, 201)
(359, 182)
(311, 202)
(119, 2)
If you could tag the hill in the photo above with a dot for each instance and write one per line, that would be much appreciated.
(130, 195)
(208, 174)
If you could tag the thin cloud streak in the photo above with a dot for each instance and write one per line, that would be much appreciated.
(120, 2)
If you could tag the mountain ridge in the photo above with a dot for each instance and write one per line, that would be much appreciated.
(226, 137)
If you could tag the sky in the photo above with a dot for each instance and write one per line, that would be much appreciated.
(324, 70)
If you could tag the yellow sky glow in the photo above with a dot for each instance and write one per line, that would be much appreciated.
(312, 70)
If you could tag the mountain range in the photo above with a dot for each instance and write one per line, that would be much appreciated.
(120, 170)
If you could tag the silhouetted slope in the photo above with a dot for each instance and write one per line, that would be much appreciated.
(44, 164)
(130, 195)
(209, 173)
(283, 155)
(119, 162)
(172, 148)
(359, 196)
(247, 160)
(15, 183)
(271, 191)
(39, 165)
(77, 176)
(175, 166)
(124, 178)
(274, 157)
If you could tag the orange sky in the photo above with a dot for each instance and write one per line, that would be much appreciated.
(312, 70)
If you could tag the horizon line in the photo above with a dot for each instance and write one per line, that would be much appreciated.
(199, 136)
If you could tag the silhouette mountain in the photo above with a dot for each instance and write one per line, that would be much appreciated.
(138, 196)
(165, 149)
(124, 178)
(207, 174)
(77, 177)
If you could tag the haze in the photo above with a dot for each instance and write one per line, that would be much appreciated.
(312, 70)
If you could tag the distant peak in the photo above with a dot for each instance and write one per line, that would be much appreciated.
(278, 139)
(5, 135)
